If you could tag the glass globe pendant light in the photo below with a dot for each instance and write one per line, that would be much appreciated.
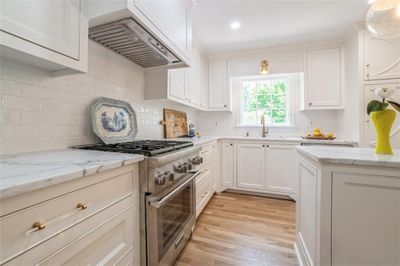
(383, 19)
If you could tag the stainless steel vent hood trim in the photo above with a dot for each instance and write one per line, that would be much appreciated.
(127, 38)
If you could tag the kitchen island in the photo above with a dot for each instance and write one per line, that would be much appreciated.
(348, 208)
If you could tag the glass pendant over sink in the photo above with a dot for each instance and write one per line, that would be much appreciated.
(383, 19)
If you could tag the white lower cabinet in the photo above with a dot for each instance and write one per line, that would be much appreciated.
(205, 182)
(228, 164)
(281, 170)
(251, 166)
(83, 222)
(259, 167)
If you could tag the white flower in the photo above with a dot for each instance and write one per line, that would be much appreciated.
(384, 93)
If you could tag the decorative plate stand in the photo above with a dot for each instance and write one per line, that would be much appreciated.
(113, 121)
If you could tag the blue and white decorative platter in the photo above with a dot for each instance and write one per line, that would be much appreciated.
(113, 121)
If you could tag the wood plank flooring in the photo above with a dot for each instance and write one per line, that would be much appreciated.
(236, 229)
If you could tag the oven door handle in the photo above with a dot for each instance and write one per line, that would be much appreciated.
(158, 203)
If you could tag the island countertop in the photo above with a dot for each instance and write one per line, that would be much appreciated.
(26, 172)
(350, 156)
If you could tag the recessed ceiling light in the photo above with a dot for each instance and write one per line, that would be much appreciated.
(235, 25)
(371, 1)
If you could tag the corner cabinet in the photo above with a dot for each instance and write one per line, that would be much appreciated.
(381, 58)
(219, 97)
(55, 32)
(324, 79)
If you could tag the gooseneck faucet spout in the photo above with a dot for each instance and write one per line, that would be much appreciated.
(264, 129)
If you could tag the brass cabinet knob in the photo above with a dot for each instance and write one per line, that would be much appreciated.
(81, 206)
(39, 225)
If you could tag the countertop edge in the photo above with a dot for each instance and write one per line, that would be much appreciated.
(70, 176)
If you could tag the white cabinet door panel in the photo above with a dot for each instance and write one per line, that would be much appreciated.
(218, 94)
(251, 166)
(381, 58)
(54, 25)
(281, 168)
(195, 78)
(307, 209)
(324, 78)
(177, 83)
(227, 164)
(365, 219)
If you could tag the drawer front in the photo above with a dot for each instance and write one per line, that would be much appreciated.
(58, 214)
(203, 189)
(105, 238)
(207, 153)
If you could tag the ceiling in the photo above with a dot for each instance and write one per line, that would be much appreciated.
(267, 23)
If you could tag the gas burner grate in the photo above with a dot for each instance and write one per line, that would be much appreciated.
(145, 147)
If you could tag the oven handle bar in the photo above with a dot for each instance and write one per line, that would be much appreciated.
(158, 203)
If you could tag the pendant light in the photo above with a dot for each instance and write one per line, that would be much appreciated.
(383, 19)
(264, 67)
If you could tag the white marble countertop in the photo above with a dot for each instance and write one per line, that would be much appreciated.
(26, 172)
(353, 156)
(206, 139)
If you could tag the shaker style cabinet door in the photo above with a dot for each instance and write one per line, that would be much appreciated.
(324, 79)
(251, 166)
(54, 25)
(218, 92)
(281, 170)
(177, 83)
(381, 58)
(195, 79)
(227, 164)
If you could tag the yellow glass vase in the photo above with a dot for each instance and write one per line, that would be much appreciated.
(383, 121)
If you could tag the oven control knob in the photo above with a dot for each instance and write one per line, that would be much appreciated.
(189, 165)
(169, 175)
(196, 160)
(180, 168)
(160, 179)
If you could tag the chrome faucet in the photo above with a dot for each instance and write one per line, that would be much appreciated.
(264, 128)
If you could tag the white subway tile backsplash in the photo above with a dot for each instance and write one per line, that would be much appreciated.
(41, 112)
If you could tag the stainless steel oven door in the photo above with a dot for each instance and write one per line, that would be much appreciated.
(170, 219)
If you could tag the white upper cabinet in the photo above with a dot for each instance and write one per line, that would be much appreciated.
(381, 58)
(54, 31)
(218, 87)
(281, 172)
(182, 85)
(227, 164)
(251, 166)
(324, 79)
(177, 83)
(172, 18)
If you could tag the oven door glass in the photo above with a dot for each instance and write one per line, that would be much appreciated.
(173, 216)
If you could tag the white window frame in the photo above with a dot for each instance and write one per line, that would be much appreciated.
(289, 99)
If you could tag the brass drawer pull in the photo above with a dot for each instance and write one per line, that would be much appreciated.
(39, 225)
(82, 206)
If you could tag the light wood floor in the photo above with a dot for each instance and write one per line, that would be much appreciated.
(236, 229)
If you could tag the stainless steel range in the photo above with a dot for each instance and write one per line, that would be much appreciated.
(167, 180)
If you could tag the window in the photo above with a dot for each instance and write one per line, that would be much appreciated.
(265, 95)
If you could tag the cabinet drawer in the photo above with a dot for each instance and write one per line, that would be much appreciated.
(103, 239)
(58, 214)
(203, 188)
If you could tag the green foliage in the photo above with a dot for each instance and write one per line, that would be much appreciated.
(261, 97)
(375, 106)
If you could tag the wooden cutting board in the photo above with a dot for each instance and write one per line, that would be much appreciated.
(175, 124)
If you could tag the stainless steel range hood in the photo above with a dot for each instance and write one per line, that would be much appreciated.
(127, 38)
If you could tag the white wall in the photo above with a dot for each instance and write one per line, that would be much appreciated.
(348, 119)
(41, 112)
(281, 60)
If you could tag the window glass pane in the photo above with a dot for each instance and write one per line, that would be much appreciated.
(265, 97)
